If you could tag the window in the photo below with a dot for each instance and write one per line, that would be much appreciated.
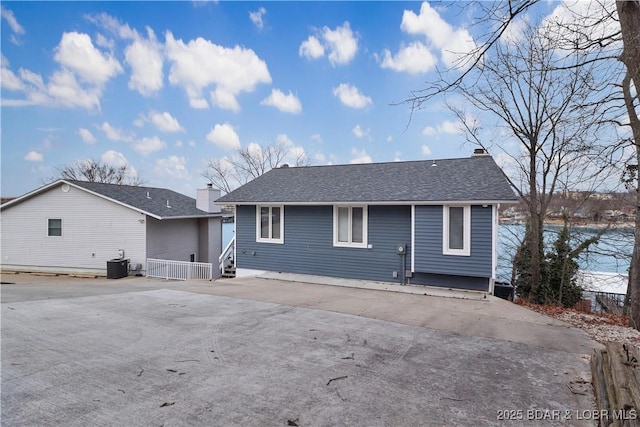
(456, 230)
(270, 224)
(54, 227)
(350, 226)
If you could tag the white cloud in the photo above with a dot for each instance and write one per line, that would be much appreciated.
(64, 89)
(179, 144)
(79, 82)
(316, 137)
(429, 131)
(172, 166)
(140, 121)
(284, 139)
(397, 156)
(34, 156)
(351, 96)
(341, 44)
(118, 160)
(144, 56)
(514, 33)
(8, 79)
(413, 59)
(114, 158)
(360, 156)
(165, 122)
(311, 48)
(454, 43)
(77, 53)
(389, 138)
(105, 42)
(285, 103)
(426, 150)
(320, 158)
(359, 132)
(148, 145)
(224, 136)
(583, 21)
(446, 127)
(16, 28)
(114, 133)
(294, 152)
(11, 20)
(256, 17)
(191, 143)
(198, 64)
(86, 136)
(254, 148)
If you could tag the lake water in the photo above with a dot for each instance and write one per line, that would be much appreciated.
(612, 253)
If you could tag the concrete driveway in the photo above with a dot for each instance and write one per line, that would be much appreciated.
(264, 352)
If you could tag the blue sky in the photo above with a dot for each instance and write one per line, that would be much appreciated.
(164, 86)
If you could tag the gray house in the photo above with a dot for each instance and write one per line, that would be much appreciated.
(422, 222)
(75, 227)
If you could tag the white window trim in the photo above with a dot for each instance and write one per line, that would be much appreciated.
(261, 239)
(365, 227)
(61, 228)
(466, 240)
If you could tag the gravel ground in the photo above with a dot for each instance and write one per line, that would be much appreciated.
(600, 328)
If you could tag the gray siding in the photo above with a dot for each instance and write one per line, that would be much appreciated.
(308, 243)
(428, 242)
(174, 239)
(210, 246)
(452, 282)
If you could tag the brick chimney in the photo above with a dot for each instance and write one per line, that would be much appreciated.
(479, 152)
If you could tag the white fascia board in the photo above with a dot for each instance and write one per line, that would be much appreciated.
(190, 217)
(33, 193)
(113, 200)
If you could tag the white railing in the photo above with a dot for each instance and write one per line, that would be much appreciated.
(179, 270)
(227, 254)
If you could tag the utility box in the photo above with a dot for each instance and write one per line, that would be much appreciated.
(117, 268)
(504, 290)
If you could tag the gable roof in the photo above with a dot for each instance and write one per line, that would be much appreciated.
(476, 178)
(133, 197)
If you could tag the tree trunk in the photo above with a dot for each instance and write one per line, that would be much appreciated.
(536, 226)
(629, 15)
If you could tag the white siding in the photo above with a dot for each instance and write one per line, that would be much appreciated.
(93, 229)
(174, 239)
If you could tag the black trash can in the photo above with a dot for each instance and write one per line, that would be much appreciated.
(503, 290)
(117, 268)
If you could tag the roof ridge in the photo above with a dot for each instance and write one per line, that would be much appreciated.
(390, 162)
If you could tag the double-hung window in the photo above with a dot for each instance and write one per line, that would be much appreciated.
(270, 224)
(456, 230)
(350, 226)
(54, 227)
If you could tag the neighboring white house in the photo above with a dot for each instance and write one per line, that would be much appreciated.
(77, 226)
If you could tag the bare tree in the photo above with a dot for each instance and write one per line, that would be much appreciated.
(499, 16)
(545, 107)
(246, 164)
(94, 171)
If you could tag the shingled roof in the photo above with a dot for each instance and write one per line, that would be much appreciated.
(151, 201)
(476, 178)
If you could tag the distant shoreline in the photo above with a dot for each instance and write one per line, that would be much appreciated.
(627, 225)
